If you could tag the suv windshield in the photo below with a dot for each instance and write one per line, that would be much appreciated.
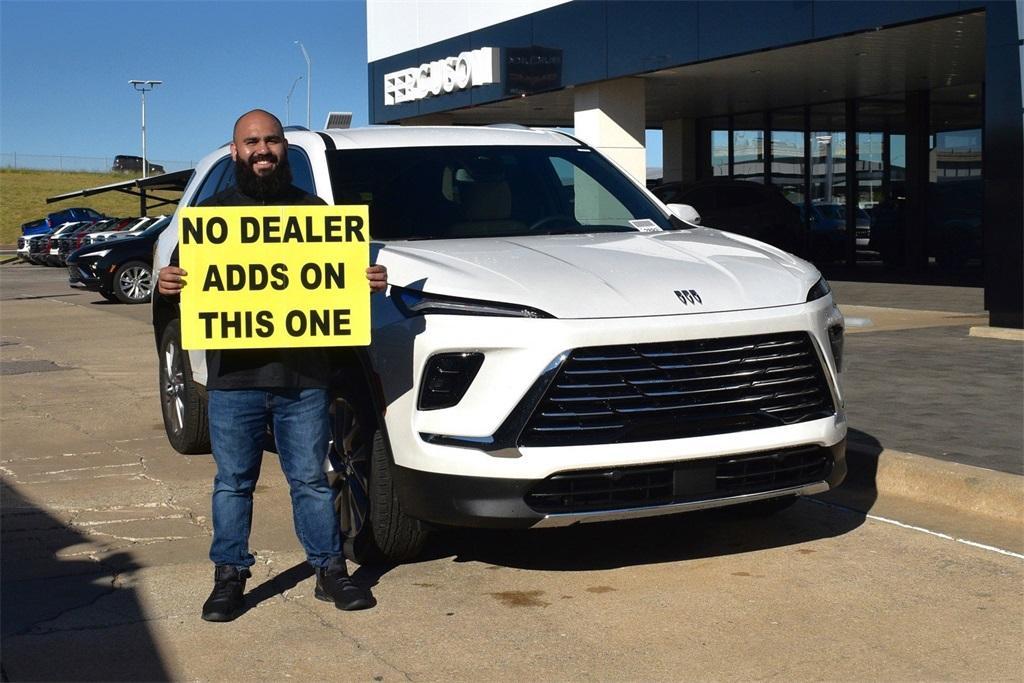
(500, 191)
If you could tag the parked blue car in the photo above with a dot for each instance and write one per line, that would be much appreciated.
(36, 227)
(65, 215)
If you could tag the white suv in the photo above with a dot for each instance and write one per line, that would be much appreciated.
(556, 345)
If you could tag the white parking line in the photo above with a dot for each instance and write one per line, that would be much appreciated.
(938, 534)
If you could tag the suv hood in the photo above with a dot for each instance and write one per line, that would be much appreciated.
(611, 275)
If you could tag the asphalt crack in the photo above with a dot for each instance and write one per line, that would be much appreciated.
(299, 603)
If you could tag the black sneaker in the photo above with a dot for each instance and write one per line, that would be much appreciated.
(333, 584)
(226, 602)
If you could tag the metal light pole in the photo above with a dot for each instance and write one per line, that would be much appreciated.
(144, 87)
(288, 102)
(309, 78)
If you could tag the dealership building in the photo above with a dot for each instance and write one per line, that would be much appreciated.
(899, 119)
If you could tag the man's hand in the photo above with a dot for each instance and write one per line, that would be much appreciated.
(172, 278)
(377, 275)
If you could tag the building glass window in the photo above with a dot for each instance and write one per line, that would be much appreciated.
(955, 190)
(720, 150)
(748, 147)
(787, 154)
(828, 154)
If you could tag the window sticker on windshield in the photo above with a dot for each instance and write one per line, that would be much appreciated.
(645, 225)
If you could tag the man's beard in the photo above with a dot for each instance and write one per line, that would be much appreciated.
(269, 186)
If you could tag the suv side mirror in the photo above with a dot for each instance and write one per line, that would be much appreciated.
(685, 212)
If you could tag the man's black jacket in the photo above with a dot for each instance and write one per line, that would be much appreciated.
(301, 368)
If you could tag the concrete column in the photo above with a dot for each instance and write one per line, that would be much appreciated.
(679, 150)
(611, 117)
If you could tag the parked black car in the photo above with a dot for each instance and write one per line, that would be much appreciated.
(741, 206)
(127, 163)
(122, 270)
(954, 225)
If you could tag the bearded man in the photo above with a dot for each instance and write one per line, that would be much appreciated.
(247, 388)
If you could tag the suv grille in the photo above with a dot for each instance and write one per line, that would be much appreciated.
(644, 392)
(678, 482)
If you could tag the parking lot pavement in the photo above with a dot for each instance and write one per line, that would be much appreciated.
(105, 532)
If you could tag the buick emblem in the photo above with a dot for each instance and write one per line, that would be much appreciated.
(688, 296)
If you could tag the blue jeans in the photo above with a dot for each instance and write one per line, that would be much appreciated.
(238, 420)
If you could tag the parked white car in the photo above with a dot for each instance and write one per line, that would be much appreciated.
(133, 230)
(556, 345)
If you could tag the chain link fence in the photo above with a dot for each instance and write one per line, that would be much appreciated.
(47, 162)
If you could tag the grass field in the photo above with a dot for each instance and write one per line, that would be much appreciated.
(23, 196)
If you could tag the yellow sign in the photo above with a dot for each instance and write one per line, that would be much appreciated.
(274, 276)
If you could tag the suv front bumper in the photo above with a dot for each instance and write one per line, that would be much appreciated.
(608, 494)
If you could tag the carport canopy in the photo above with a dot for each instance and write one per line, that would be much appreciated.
(140, 187)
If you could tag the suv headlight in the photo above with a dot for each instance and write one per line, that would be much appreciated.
(412, 302)
(819, 290)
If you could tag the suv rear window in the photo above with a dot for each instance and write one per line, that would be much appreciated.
(497, 191)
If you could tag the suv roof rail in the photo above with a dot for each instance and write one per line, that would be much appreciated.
(513, 126)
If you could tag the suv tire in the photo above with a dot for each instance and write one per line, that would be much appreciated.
(375, 528)
(182, 401)
(133, 282)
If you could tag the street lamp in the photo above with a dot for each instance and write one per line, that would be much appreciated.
(288, 101)
(309, 77)
(144, 87)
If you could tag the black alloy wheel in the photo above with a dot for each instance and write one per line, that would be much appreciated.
(133, 283)
(350, 463)
(182, 401)
(373, 524)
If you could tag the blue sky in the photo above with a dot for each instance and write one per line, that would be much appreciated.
(65, 67)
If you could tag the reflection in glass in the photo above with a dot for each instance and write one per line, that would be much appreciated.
(748, 155)
(828, 167)
(788, 155)
(870, 168)
(720, 152)
(898, 164)
(955, 199)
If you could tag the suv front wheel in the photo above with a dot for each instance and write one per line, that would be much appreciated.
(181, 400)
(375, 527)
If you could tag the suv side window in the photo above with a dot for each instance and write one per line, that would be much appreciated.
(302, 173)
(222, 175)
(212, 181)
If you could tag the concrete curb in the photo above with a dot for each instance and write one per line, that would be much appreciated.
(998, 496)
(1006, 333)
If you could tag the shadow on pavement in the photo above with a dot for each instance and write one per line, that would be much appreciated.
(67, 618)
(365, 576)
(859, 490)
(687, 536)
(277, 584)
